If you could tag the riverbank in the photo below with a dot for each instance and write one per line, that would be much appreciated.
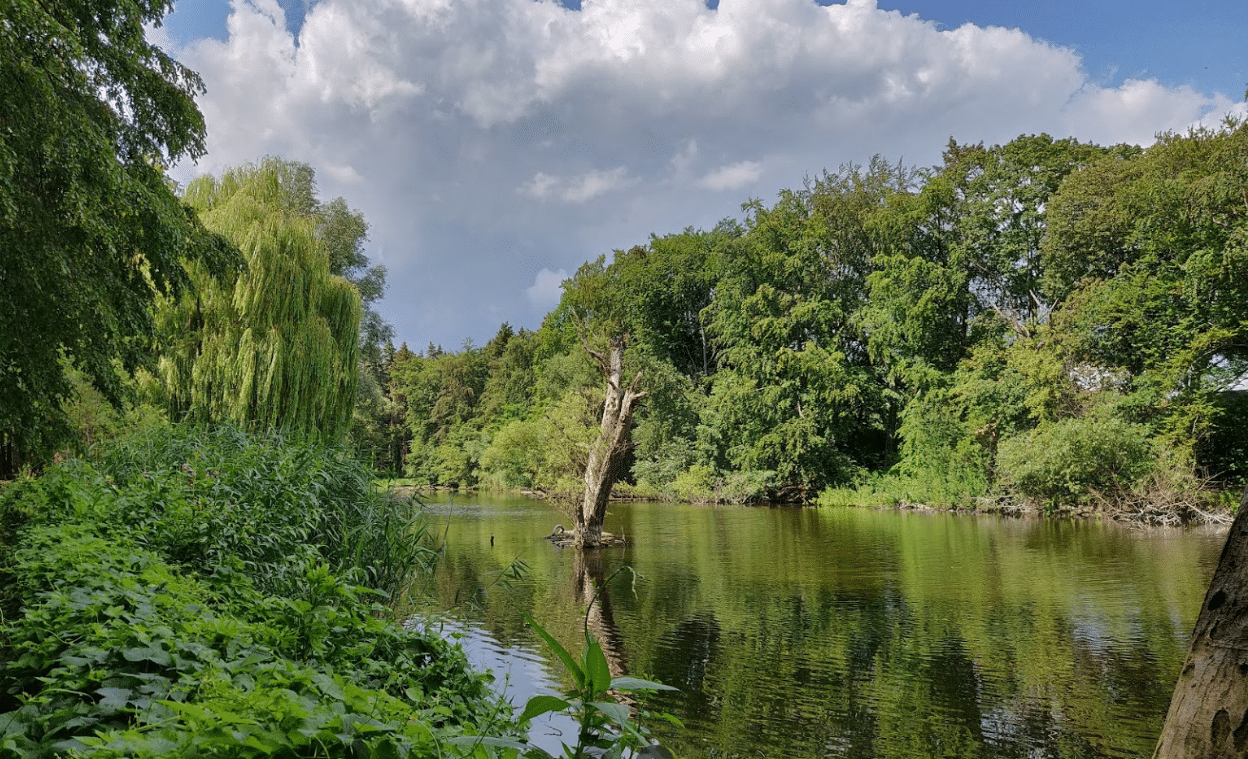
(215, 593)
(1158, 509)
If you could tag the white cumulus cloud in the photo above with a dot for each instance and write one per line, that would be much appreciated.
(733, 176)
(487, 139)
(547, 288)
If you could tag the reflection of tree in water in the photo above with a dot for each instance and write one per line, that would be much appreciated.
(600, 618)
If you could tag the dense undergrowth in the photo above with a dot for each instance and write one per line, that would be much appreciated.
(205, 593)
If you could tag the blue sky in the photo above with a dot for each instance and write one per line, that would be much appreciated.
(494, 145)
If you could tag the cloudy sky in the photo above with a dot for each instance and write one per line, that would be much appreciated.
(495, 145)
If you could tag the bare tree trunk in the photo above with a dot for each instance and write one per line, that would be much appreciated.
(607, 453)
(1208, 714)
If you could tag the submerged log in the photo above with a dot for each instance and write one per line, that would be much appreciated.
(1208, 714)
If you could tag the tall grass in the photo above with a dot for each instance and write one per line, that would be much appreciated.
(948, 488)
(200, 496)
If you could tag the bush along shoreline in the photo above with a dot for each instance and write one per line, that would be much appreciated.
(205, 593)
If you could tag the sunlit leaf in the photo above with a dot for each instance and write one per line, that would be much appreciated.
(568, 662)
(543, 704)
(596, 666)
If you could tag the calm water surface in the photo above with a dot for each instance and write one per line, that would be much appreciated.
(846, 632)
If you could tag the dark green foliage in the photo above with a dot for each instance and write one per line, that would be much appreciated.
(90, 231)
(892, 328)
(220, 596)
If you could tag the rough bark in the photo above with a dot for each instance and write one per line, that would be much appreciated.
(607, 453)
(1208, 714)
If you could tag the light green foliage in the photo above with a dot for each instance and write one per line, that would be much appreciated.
(441, 396)
(1151, 249)
(1062, 463)
(276, 347)
(604, 725)
(90, 232)
(515, 457)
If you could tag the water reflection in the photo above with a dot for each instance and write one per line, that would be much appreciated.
(813, 633)
(592, 592)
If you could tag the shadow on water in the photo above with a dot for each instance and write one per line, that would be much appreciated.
(846, 632)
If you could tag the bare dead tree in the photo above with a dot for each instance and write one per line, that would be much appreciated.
(607, 453)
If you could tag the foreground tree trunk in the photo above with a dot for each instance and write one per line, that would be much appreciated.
(607, 453)
(1208, 714)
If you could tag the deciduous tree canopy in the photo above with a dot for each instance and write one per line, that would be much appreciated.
(1046, 322)
(277, 346)
(90, 230)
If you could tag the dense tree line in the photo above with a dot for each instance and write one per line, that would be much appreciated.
(1044, 321)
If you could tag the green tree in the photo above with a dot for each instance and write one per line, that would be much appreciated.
(90, 231)
(795, 393)
(1152, 252)
(276, 347)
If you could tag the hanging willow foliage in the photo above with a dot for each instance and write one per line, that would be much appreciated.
(277, 347)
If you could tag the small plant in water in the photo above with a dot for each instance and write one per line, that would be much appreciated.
(605, 727)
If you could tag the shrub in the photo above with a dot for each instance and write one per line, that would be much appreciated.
(151, 661)
(198, 495)
(1063, 463)
(954, 487)
(697, 484)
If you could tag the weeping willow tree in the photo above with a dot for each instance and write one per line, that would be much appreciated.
(277, 346)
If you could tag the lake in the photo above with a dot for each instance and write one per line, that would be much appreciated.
(804, 632)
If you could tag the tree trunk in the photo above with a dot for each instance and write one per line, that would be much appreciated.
(607, 453)
(1208, 714)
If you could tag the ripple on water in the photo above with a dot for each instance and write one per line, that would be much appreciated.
(827, 633)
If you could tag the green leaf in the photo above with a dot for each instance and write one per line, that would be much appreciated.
(153, 654)
(190, 710)
(115, 698)
(486, 740)
(385, 750)
(620, 716)
(259, 745)
(569, 663)
(617, 713)
(596, 666)
(543, 704)
(671, 719)
(636, 683)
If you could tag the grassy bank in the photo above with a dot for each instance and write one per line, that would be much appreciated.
(207, 593)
